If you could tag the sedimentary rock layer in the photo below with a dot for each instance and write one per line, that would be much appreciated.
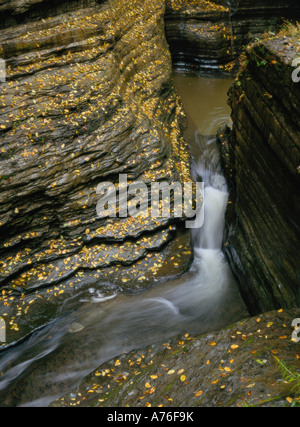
(198, 33)
(14, 12)
(261, 158)
(88, 96)
(235, 367)
(208, 35)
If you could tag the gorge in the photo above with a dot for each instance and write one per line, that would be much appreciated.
(90, 95)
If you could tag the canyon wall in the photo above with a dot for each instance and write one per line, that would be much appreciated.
(261, 156)
(16, 12)
(209, 35)
(89, 96)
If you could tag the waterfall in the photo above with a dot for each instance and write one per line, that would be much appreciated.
(211, 236)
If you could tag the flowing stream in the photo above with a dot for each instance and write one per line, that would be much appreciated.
(56, 359)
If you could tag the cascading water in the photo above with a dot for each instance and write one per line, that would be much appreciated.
(56, 359)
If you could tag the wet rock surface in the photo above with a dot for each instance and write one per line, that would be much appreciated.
(237, 366)
(89, 96)
(261, 157)
(198, 33)
(209, 35)
(15, 12)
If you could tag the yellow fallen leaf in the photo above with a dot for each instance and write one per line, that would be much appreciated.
(171, 372)
(153, 377)
(118, 363)
(199, 393)
(234, 346)
(183, 378)
(147, 385)
(215, 381)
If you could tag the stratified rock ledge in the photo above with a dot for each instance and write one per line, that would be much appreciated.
(89, 96)
(237, 366)
(261, 158)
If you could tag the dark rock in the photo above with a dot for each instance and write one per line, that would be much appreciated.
(210, 35)
(238, 366)
(261, 158)
(15, 12)
(89, 96)
(198, 33)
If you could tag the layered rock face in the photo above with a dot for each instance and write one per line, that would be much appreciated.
(208, 35)
(88, 96)
(261, 158)
(14, 12)
(198, 33)
(235, 367)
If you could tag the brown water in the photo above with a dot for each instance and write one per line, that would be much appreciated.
(205, 115)
(56, 359)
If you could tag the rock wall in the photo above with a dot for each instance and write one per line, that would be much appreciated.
(16, 12)
(210, 35)
(261, 158)
(198, 33)
(235, 367)
(89, 96)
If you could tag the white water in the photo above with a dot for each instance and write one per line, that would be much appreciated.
(56, 359)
